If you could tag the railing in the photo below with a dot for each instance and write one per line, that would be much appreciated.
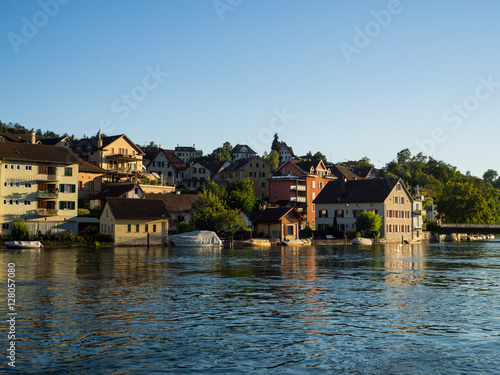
(494, 226)
(419, 212)
(298, 188)
(47, 177)
(46, 194)
(46, 212)
(298, 199)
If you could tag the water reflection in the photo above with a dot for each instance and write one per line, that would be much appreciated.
(289, 309)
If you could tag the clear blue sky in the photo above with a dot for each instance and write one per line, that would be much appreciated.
(349, 79)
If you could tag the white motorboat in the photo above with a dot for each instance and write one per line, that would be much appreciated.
(24, 244)
(204, 238)
(362, 241)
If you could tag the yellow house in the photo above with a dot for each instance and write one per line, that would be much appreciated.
(38, 184)
(135, 221)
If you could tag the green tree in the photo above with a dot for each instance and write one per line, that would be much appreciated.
(368, 221)
(364, 162)
(222, 153)
(273, 158)
(319, 156)
(276, 143)
(240, 195)
(490, 176)
(19, 231)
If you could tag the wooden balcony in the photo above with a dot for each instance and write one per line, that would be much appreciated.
(44, 212)
(46, 194)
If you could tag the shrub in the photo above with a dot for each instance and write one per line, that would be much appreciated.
(20, 231)
(432, 226)
(184, 227)
(83, 212)
(101, 237)
(307, 232)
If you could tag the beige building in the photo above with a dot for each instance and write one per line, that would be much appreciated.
(90, 178)
(281, 223)
(135, 221)
(345, 199)
(38, 184)
(256, 169)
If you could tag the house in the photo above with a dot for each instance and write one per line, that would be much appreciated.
(195, 176)
(164, 163)
(242, 152)
(63, 141)
(345, 199)
(366, 172)
(282, 223)
(38, 185)
(216, 167)
(135, 221)
(343, 172)
(130, 190)
(297, 184)
(121, 157)
(33, 138)
(186, 153)
(256, 169)
(286, 153)
(179, 207)
(90, 178)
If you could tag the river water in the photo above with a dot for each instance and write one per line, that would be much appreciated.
(387, 309)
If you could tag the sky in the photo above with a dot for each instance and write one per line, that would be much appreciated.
(346, 78)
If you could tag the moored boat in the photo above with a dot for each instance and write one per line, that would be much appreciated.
(361, 241)
(24, 244)
(296, 242)
(203, 238)
(256, 243)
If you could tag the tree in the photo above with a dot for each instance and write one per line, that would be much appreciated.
(222, 153)
(276, 143)
(364, 162)
(273, 158)
(319, 156)
(211, 212)
(368, 221)
(490, 176)
(240, 195)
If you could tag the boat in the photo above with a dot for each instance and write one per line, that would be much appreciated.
(24, 244)
(296, 242)
(361, 241)
(203, 238)
(256, 243)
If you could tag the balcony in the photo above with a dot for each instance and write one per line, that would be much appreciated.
(44, 212)
(420, 212)
(298, 188)
(47, 194)
(298, 199)
(47, 177)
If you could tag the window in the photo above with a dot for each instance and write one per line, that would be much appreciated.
(313, 184)
(250, 174)
(290, 230)
(340, 213)
(27, 203)
(28, 168)
(137, 228)
(12, 166)
(313, 207)
(67, 188)
(6, 166)
(146, 227)
(5, 226)
(5, 184)
(402, 200)
(27, 184)
(256, 165)
(67, 205)
(17, 202)
(320, 185)
(313, 195)
(323, 213)
(18, 167)
(154, 227)
(395, 200)
(263, 184)
(68, 171)
(129, 228)
(5, 201)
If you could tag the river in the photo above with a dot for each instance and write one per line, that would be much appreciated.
(386, 309)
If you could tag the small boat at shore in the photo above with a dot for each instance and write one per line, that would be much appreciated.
(361, 241)
(296, 242)
(256, 243)
(23, 244)
(203, 238)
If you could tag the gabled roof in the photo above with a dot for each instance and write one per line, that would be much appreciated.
(87, 167)
(274, 214)
(123, 208)
(308, 164)
(174, 202)
(37, 153)
(283, 144)
(175, 161)
(357, 191)
(13, 137)
(106, 141)
(216, 167)
(236, 165)
(364, 172)
(115, 191)
(52, 141)
(343, 172)
(238, 149)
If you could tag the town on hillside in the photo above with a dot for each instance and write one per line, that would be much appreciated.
(111, 187)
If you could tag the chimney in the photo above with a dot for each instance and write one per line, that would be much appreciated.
(73, 137)
(33, 137)
(99, 139)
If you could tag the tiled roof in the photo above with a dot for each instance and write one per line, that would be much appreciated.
(12, 137)
(50, 141)
(215, 167)
(365, 171)
(37, 153)
(274, 214)
(87, 167)
(238, 147)
(123, 208)
(356, 191)
(174, 202)
(342, 172)
(175, 161)
(236, 165)
(115, 191)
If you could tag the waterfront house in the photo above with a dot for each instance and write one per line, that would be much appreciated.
(296, 184)
(38, 185)
(345, 199)
(282, 223)
(135, 221)
(179, 207)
